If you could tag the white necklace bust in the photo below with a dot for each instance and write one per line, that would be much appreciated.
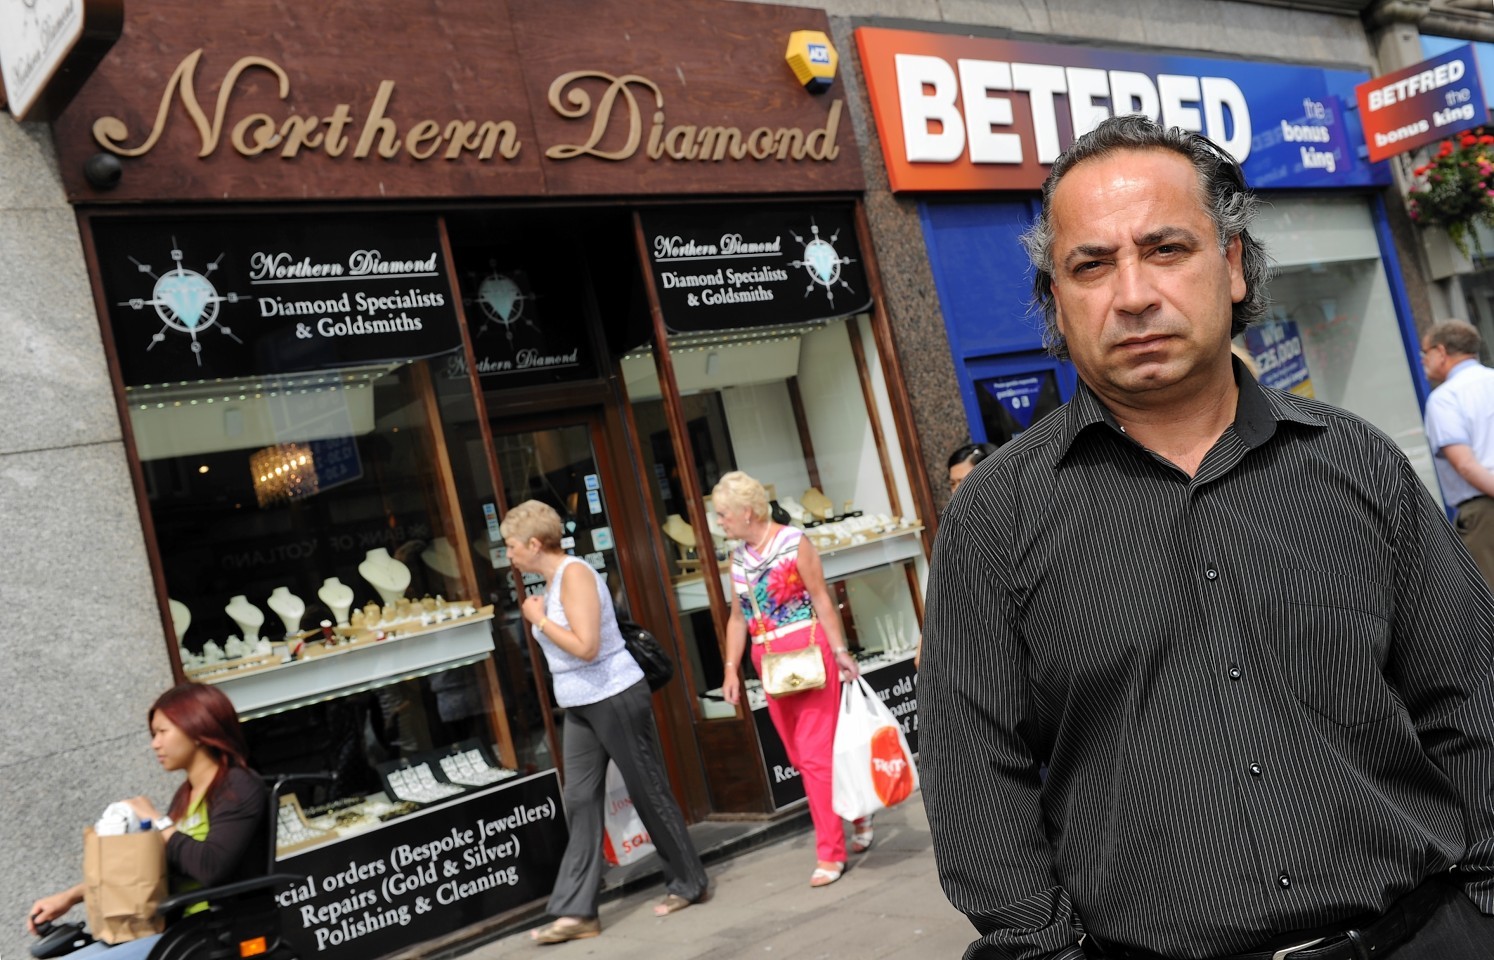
(442, 558)
(288, 607)
(249, 617)
(385, 574)
(679, 530)
(181, 618)
(338, 597)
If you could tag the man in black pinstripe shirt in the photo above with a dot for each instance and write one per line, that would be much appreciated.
(1244, 638)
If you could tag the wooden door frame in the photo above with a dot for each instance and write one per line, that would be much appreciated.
(638, 565)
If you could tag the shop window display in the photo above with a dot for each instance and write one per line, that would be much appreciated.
(309, 447)
(803, 409)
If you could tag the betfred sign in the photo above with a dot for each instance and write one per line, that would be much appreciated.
(1421, 104)
(971, 113)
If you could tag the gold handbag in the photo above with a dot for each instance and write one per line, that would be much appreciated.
(795, 671)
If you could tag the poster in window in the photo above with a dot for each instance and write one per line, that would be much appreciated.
(740, 266)
(1009, 405)
(1276, 347)
(197, 299)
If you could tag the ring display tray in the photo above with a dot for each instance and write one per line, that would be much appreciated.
(469, 765)
(292, 831)
(415, 782)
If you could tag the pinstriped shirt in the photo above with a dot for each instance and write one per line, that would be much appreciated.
(1264, 692)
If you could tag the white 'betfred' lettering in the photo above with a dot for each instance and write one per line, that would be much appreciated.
(1418, 83)
(950, 112)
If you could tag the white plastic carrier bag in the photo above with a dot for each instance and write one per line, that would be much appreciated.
(625, 839)
(873, 768)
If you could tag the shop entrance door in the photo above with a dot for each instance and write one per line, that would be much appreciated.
(565, 460)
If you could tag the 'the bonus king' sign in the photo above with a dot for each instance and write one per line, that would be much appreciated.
(1421, 104)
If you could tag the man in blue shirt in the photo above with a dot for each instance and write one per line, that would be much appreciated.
(1460, 427)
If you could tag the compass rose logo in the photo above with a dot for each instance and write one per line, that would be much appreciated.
(501, 300)
(822, 262)
(186, 301)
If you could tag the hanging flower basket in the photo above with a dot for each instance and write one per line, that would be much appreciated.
(1455, 189)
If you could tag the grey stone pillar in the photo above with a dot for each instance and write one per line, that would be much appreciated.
(82, 640)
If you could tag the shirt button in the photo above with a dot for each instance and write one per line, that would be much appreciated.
(1284, 881)
(1211, 573)
(1255, 769)
(1234, 672)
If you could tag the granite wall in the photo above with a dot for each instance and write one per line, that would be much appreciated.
(81, 637)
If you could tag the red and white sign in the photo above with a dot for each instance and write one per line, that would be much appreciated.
(975, 113)
(1421, 104)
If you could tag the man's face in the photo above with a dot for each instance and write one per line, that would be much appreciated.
(1142, 293)
(1434, 361)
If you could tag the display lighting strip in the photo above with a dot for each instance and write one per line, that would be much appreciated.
(190, 393)
(715, 339)
(284, 472)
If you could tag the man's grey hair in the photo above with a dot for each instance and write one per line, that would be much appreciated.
(1456, 337)
(1229, 202)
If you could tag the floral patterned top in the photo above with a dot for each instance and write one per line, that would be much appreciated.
(773, 577)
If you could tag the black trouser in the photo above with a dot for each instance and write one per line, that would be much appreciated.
(620, 728)
(1453, 929)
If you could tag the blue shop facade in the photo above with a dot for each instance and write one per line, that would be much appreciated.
(969, 126)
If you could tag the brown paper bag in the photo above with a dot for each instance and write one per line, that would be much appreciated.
(124, 879)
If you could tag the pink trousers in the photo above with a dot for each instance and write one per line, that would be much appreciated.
(806, 725)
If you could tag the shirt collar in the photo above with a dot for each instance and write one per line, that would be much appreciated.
(1257, 413)
(1462, 366)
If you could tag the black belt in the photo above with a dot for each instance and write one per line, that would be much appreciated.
(1369, 942)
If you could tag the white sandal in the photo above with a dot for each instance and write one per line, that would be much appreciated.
(823, 877)
(862, 835)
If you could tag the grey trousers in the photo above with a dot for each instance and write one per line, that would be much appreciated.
(620, 728)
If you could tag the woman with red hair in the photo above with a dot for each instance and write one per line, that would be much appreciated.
(215, 827)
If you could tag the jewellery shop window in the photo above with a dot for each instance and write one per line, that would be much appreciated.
(787, 406)
(320, 502)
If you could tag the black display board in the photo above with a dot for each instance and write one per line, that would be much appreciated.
(194, 299)
(427, 874)
(731, 267)
(526, 312)
(893, 683)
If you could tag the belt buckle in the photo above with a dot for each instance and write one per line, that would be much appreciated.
(1286, 952)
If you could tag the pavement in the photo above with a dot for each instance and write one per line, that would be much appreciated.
(887, 905)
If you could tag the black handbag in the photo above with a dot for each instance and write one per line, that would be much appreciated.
(657, 668)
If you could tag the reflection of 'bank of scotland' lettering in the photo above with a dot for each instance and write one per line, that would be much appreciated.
(186, 301)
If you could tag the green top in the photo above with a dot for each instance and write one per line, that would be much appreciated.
(194, 823)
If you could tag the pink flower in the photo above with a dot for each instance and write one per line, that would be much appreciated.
(758, 626)
(784, 583)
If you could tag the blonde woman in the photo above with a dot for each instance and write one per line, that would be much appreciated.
(779, 586)
(609, 715)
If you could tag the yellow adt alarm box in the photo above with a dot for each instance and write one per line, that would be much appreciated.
(813, 59)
